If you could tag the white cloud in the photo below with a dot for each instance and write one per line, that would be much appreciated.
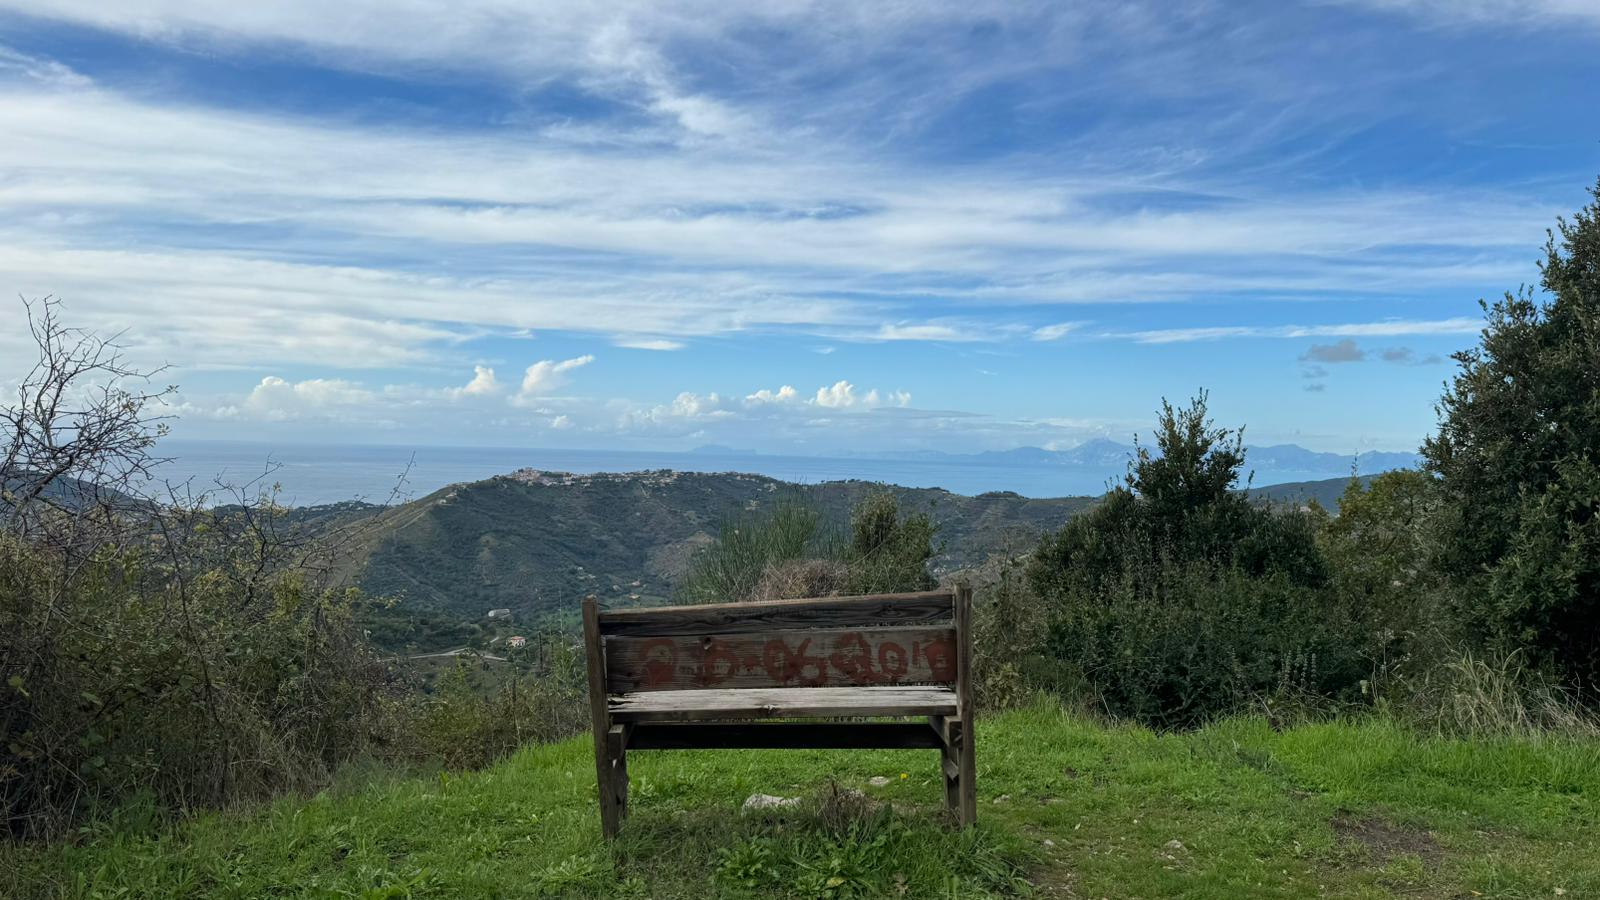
(482, 384)
(277, 399)
(44, 71)
(785, 394)
(1512, 13)
(87, 162)
(546, 375)
(1055, 332)
(1386, 328)
(842, 395)
(637, 343)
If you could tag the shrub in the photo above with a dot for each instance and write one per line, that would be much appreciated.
(1176, 598)
(788, 551)
(750, 546)
(1385, 588)
(888, 551)
(460, 725)
(197, 685)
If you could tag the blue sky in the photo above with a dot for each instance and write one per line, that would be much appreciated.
(802, 226)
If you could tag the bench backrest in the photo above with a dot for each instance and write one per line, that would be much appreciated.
(880, 639)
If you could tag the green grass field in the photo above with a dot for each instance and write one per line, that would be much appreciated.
(1068, 808)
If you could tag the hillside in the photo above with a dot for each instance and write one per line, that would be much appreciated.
(536, 543)
(1067, 808)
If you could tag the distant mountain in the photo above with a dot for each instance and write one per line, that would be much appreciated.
(1327, 491)
(1293, 458)
(1273, 462)
(537, 542)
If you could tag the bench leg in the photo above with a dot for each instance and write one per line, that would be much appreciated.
(617, 765)
(950, 766)
(967, 780)
(960, 798)
(606, 782)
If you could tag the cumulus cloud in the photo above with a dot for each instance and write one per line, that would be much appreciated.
(278, 399)
(482, 384)
(1344, 351)
(546, 375)
(843, 395)
(785, 394)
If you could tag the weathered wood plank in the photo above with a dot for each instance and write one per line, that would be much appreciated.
(785, 736)
(967, 784)
(922, 608)
(837, 657)
(770, 703)
(599, 718)
(617, 750)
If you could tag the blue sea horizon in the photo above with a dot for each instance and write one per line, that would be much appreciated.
(318, 474)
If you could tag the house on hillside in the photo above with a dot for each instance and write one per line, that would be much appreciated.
(516, 642)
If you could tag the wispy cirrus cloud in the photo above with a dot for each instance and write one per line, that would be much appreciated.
(419, 190)
(1386, 328)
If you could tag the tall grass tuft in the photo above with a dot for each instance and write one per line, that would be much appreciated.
(1494, 695)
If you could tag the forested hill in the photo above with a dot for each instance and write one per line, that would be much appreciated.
(537, 543)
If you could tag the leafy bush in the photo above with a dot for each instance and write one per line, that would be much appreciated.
(788, 551)
(888, 551)
(748, 547)
(195, 679)
(1176, 598)
(1385, 586)
(1517, 466)
(461, 726)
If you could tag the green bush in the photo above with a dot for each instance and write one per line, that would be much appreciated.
(192, 679)
(750, 546)
(459, 725)
(1176, 598)
(789, 551)
(888, 552)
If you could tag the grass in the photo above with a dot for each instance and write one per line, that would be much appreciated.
(1068, 808)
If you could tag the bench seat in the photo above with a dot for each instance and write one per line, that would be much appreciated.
(777, 703)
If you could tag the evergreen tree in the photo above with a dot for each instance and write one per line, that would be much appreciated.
(1518, 459)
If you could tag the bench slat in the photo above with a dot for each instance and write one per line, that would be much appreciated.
(922, 608)
(777, 703)
(836, 657)
(785, 736)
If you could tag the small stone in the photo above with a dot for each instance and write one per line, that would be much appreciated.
(878, 780)
(1174, 844)
(758, 802)
(1002, 798)
(1049, 843)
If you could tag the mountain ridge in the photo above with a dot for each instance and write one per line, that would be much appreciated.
(536, 541)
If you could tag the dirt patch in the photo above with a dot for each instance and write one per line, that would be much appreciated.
(1387, 840)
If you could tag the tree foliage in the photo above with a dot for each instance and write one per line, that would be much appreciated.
(1177, 597)
(1517, 456)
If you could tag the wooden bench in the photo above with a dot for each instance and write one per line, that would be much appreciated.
(713, 677)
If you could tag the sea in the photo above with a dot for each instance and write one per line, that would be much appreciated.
(317, 474)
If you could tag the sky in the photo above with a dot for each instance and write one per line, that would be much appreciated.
(803, 227)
